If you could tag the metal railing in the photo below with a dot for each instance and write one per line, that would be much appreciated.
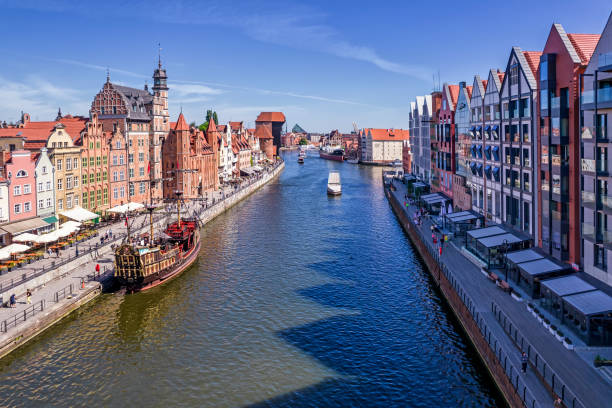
(540, 364)
(21, 317)
(63, 293)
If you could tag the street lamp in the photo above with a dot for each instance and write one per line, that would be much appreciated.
(505, 246)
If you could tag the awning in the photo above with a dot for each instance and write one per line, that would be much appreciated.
(486, 232)
(26, 237)
(540, 267)
(457, 214)
(419, 185)
(23, 226)
(567, 285)
(495, 128)
(591, 303)
(473, 128)
(247, 170)
(488, 170)
(51, 220)
(525, 255)
(499, 240)
(495, 170)
(79, 214)
(479, 166)
(487, 128)
(463, 218)
(478, 128)
(121, 209)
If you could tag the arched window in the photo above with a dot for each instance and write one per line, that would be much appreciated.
(22, 173)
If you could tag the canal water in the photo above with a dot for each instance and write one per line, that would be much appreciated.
(297, 300)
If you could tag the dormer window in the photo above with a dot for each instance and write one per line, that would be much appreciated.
(44, 170)
(22, 173)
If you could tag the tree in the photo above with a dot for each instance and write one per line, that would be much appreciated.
(303, 141)
(209, 114)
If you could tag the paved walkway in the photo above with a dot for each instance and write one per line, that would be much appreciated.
(590, 388)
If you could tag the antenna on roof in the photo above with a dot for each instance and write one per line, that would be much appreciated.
(107, 74)
(159, 55)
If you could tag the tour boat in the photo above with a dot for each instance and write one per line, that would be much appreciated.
(330, 153)
(333, 184)
(140, 266)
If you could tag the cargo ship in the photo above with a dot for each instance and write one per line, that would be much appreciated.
(143, 265)
(330, 153)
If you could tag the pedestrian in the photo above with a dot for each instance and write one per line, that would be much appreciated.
(433, 237)
(558, 403)
(98, 269)
(13, 300)
(524, 360)
(28, 296)
(440, 249)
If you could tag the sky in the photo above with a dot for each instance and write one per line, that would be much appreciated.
(325, 64)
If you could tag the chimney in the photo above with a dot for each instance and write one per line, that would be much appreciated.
(461, 84)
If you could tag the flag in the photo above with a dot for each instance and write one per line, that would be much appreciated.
(126, 219)
(149, 168)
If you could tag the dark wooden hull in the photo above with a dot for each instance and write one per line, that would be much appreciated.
(162, 277)
(329, 156)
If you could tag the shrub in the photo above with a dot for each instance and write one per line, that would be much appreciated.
(530, 305)
(546, 321)
(568, 340)
(560, 333)
(535, 309)
(552, 326)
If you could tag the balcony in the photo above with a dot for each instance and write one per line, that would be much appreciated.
(588, 231)
(605, 202)
(604, 62)
(604, 95)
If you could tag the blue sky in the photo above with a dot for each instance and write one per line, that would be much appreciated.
(325, 64)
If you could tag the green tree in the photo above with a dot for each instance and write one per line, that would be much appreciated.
(303, 141)
(209, 114)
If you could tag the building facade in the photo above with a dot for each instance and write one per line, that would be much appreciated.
(45, 191)
(461, 186)
(596, 133)
(518, 102)
(445, 164)
(564, 59)
(94, 167)
(66, 159)
(117, 168)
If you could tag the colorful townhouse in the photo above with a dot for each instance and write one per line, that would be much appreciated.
(94, 166)
(45, 192)
(461, 186)
(477, 182)
(445, 164)
(117, 168)
(66, 158)
(596, 133)
(563, 61)
(20, 169)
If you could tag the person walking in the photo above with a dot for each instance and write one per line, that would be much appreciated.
(13, 300)
(440, 249)
(98, 269)
(558, 403)
(524, 360)
(28, 296)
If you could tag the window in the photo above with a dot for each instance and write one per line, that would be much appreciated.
(97, 144)
(526, 216)
(104, 176)
(600, 259)
(76, 200)
(90, 145)
(84, 179)
(131, 189)
(115, 176)
(22, 173)
(26, 189)
(48, 202)
(68, 182)
(105, 196)
(98, 161)
(115, 193)
(121, 159)
(141, 157)
(85, 200)
(544, 99)
(122, 192)
(91, 161)
(99, 196)
(141, 188)
(131, 173)
(118, 144)
(75, 163)
(130, 158)
(543, 70)
(17, 208)
(68, 164)
(84, 161)
(76, 181)
(44, 169)
(40, 187)
(526, 181)
(26, 207)
(69, 201)
(105, 160)
(114, 159)
(141, 171)
(91, 178)
(121, 176)
(49, 186)
(514, 75)
(58, 164)
(98, 177)
(60, 204)
(59, 184)
(17, 190)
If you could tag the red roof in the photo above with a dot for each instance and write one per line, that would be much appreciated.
(37, 133)
(469, 91)
(454, 92)
(181, 123)
(585, 45)
(500, 75)
(533, 59)
(235, 125)
(484, 83)
(211, 126)
(271, 117)
(389, 134)
(221, 128)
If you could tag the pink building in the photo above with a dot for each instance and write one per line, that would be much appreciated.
(20, 169)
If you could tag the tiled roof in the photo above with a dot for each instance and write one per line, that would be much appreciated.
(584, 44)
(181, 123)
(454, 93)
(134, 97)
(468, 89)
(388, 134)
(235, 125)
(222, 128)
(533, 59)
(36, 134)
(270, 117)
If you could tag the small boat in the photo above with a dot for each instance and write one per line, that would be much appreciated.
(333, 184)
(301, 159)
(352, 161)
(396, 163)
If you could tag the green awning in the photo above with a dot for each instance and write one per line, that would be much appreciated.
(51, 220)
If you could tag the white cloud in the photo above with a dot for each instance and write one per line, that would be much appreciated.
(193, 89)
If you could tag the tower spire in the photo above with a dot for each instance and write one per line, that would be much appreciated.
(107, 74)
(159, 55)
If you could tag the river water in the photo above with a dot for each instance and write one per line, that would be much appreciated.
(297, 300)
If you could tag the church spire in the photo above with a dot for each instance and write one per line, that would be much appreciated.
(159, 55)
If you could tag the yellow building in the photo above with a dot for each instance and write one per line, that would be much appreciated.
(66, 159)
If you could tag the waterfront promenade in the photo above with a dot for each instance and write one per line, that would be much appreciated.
(571, 377)
(61, 292)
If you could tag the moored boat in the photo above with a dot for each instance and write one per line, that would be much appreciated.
(329, 153)
(142, 265)
(334, 186)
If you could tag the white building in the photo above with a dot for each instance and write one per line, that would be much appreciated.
(382, 145)
(45, 193)
(420, 141)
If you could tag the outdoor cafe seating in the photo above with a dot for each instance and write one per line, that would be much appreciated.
(460, 222)
(490, 245)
